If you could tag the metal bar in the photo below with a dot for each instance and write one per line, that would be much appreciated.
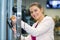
(10, 5)
(19, 8)
(3, 19)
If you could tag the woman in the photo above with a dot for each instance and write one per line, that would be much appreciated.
(42, 29)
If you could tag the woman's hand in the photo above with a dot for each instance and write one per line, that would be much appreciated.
(13, 20)
(14, 30)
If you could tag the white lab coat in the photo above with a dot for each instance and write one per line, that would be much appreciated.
(43, 31)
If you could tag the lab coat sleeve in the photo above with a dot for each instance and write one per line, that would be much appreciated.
(26, 38)
(42, 27)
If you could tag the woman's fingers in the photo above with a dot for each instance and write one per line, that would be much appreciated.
(13, 20)
(14, 30)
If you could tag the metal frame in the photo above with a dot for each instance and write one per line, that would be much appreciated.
(6, 12)
(10, 4)
(3, 20)
(19, 8)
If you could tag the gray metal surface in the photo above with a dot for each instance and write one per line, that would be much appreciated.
(18, 26)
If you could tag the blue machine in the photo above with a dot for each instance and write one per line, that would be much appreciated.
(5, 13)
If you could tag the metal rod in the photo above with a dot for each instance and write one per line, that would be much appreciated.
(18, 34)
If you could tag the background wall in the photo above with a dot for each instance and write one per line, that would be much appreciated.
(50, 12)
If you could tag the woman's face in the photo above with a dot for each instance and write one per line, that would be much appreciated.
(36, 12)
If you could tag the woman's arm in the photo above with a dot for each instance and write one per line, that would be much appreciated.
(42, 27)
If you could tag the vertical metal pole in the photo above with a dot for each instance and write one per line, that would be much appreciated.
(19, 8)
(3, 20)
(0, 18)
(10, 5)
